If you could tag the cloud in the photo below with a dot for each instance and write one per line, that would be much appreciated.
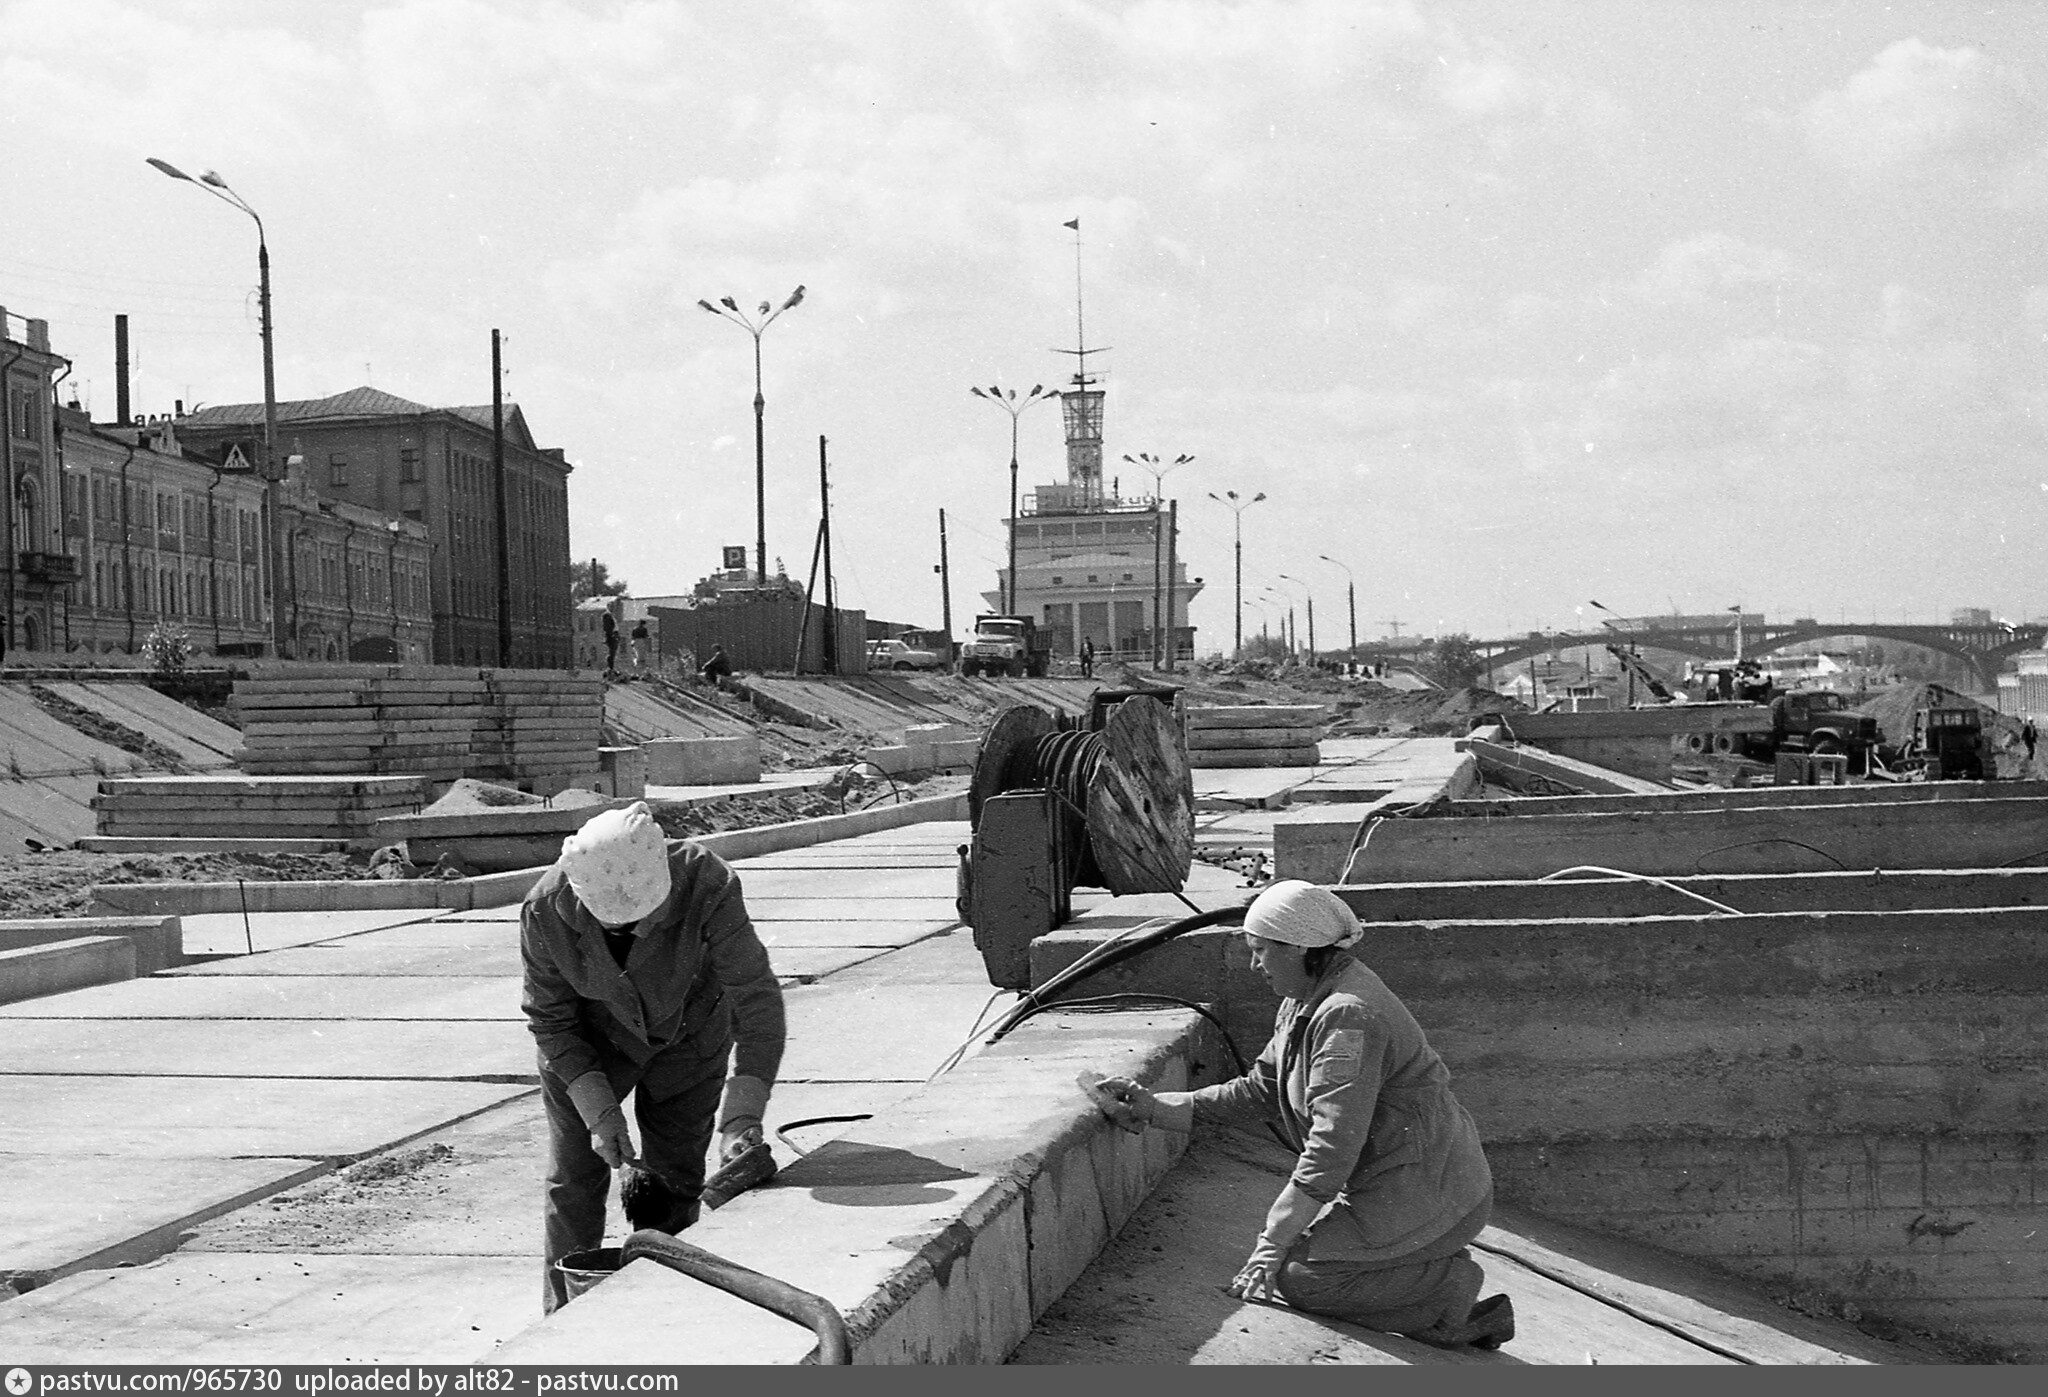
(1916, 107)
(455, 62)
(1904, 313)
(1711, 265)
(204, 93)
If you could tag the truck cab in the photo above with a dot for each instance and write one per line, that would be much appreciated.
(1005, 645)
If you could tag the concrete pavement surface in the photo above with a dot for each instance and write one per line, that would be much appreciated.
(330, 1151)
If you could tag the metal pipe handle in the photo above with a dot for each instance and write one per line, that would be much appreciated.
(814, 1312)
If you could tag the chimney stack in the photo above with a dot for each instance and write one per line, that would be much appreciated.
(120, 370)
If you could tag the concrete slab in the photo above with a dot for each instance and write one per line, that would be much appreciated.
(830, 856)
(858, 886)
(803, 965)
(183, 1048)
(865, 1033)
(284, 997)
(228, 933)
(509, 912)
(30, 973)
(479, 933)
(59, 1213)
(270, 1308)
(162, 712)
(868, 909)
(470, 1189)
(345, 958)
(164, 1118)
(822, 934)
(772, 783)
(106, 700)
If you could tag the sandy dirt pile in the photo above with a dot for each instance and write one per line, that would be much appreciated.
(1894, 709)
(58, 883)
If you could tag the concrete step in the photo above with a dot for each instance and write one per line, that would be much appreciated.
(31, 972)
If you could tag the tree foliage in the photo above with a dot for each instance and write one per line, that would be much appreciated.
(593, 579)
(1453, 661)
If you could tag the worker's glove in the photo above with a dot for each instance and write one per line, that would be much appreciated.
(612, 1140)
(739, 1116)
(1126, 1103)
(1259, 1278)
(598, 1104)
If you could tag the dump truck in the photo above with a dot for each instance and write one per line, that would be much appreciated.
(1817, 721)
(1006, 645)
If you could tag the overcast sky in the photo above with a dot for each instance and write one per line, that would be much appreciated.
(1505, 305)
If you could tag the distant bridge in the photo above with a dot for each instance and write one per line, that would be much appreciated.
(1983, 648)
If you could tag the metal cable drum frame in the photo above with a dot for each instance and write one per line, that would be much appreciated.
(1055, 806)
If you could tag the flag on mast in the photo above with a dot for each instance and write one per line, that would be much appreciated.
(1073, 223)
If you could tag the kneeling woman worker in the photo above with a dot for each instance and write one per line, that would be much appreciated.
(1391, 1183)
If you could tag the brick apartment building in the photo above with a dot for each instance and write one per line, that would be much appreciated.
(35, 568)
(379, 453)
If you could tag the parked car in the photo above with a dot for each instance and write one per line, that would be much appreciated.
(901, 654)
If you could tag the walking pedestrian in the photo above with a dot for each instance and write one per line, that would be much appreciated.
(2029, 736)
(611, 644)
(1087, 658)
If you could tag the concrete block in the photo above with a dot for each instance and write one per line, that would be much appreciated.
(1202, 758)
(960, 755)
(1509, 761)
(898, 761)
(158, 941)
(31, 972)
(1961, 834)
(624, 772)
(702, 761)
(932, 734)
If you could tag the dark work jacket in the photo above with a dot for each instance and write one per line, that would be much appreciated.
(1352, 1083)
(695, 960)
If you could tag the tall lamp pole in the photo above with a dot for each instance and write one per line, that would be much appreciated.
(1009, 402)
(1310, 598)
(1351, 597)
(273, 486)
(728, 309)
(1237, 508)
(1158, 469)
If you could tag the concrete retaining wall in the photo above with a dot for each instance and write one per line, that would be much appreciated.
(56, 966)
(159, 941)
(1851, 1102)
(941, 1229)
(1910, 834)
(1745, 892)
(1635, 740)
(1751, 798)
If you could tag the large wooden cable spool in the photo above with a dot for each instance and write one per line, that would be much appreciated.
(1141, 801)
(1126, 793)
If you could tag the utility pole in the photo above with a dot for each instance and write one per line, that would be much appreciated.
(498, 475)
(945, 572)
(831, 665)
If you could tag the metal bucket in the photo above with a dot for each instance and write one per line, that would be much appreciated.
(580, 1270)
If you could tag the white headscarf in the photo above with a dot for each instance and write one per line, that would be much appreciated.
(1302, 914)
(617, 865)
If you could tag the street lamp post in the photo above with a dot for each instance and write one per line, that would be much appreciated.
(1351, 598)
(1310, 598)
(728, 309)
(273, 486)
(1009, 402)
(1237, 508)
(1158, 469)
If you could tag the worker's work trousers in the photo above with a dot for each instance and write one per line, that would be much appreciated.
(1427, 1294)
(674, 1108)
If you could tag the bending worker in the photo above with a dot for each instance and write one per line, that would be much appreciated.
(1391, 1183)
(643, 975)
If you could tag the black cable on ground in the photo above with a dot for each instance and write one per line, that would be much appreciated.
(816, 1120)
(1029, 1001)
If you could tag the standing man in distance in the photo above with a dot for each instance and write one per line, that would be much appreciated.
(643, 975)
